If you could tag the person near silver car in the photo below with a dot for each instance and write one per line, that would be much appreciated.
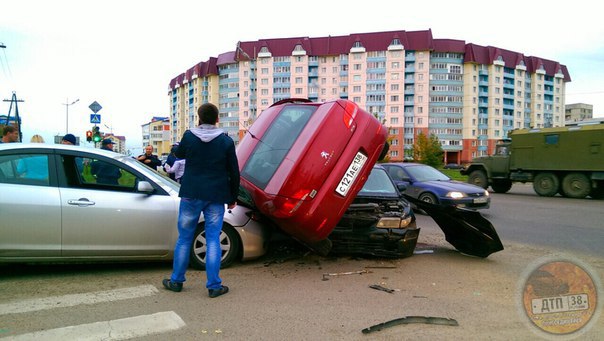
(211, 180)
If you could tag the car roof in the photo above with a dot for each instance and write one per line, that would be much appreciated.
(15, 146)
(405, 164)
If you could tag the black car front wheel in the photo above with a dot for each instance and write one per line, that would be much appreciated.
(229, 247)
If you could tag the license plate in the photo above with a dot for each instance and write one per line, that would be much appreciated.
(480, 200)
(351, 174)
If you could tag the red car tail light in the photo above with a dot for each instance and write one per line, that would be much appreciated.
(288, 206)
(350, 112)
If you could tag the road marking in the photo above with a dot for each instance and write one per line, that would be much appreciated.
(120, 329)
(52, 302)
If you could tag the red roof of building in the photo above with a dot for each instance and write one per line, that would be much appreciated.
(373, 41)
(488, 54)
(226, 58)
(326, 46)
(449, 45)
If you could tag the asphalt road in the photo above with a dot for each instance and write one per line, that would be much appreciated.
(572, 225)
(301, 296)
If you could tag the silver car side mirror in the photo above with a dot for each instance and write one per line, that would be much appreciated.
(144, 187)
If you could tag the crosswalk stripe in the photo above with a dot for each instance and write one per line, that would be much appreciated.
(76, 299)
(120, 329)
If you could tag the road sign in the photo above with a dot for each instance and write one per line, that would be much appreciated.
(95, 118)
(95, 107)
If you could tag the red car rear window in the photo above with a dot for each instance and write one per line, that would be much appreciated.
(274, 145)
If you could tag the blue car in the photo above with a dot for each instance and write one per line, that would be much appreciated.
(428, 184)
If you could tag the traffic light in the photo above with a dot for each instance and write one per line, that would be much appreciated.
(89, 135)
(96, 134)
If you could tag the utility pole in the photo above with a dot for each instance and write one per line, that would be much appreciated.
(67, 113)
(17, 118)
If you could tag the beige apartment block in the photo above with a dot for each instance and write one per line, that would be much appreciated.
(467, 95)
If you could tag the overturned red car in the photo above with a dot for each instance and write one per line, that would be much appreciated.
(303, 162)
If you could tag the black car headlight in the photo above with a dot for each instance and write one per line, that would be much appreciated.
(393, 222)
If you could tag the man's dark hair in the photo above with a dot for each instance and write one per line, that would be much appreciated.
(208, 114)
(8, 129)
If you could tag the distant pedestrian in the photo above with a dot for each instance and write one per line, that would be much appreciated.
(170, 161)
(37, 139)
(34, 166)
(177, 169)
(210, 181)
(149, 159)
(107, 144)
(9, 134)
(69, 139)
(105, 172)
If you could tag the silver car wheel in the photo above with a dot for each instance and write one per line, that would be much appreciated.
(229, 247)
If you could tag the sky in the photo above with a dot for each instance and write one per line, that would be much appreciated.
(123, 54)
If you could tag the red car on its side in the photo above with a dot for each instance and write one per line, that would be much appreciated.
(303, 162)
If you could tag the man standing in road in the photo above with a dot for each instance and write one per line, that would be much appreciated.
(9, 134)
(210, 181)
(150, 160)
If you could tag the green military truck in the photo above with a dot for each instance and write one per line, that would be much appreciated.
(565, 160)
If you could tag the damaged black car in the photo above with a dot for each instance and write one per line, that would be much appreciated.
(378, 223)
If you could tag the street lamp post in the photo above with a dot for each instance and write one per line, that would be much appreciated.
(67, 113)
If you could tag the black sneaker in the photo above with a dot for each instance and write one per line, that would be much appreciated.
(172, 286)
(217, 292)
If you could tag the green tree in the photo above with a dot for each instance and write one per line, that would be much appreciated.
(427, 150)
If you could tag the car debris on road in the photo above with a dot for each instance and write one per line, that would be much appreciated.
(360, 272)
(412, 319)
(379, 287)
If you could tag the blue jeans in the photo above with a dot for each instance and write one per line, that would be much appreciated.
(188, 217)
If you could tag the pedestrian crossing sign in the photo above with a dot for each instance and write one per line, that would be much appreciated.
(95, 118)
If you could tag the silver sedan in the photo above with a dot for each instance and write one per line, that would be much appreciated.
(73, 203)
